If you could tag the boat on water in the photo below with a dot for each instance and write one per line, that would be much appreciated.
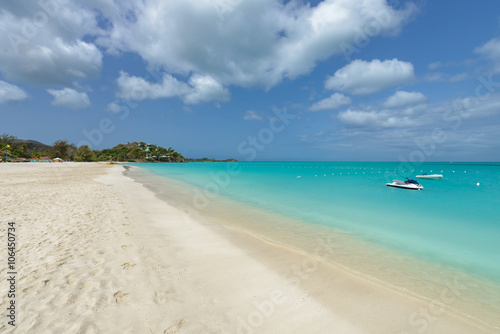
(409, 184)
(429, 176)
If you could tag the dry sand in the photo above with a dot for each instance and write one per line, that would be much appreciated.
(99, 253)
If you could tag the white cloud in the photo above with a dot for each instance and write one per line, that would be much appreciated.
(335, 101)
(10, 92)
(199, 89)
(69, 98)
(136, 88)
(475, 107)
(205, 89)
(251, 115)
(113, 108)
(214, 44)
(46, 46)
(491, 50)
(363, 78)
(213, 38)
(443, 77)
(372, 118)
(404, 99)
(435, 65)
(358, 118)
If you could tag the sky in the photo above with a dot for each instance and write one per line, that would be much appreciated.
(257, 80)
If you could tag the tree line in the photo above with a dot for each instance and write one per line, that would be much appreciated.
(14, 149)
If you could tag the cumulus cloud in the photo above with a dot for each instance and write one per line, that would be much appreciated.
(372, 118)
(10, 92)
(335, 101)
(251, 115)
(113, 108)
(199, 89)
(491, 50)
(205, 89)
(137, 88)
(404, 99)
(44, 45)
(69, 98)
(364, 78)
(284, 41)
(213, 44)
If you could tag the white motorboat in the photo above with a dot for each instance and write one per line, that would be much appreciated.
(409, 184)
(429, 176)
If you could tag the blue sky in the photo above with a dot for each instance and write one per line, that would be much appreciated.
(335, 80)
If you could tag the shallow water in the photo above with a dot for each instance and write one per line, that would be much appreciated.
(418, 241)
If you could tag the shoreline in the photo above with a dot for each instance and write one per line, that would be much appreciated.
(97, 245)
(403, 274)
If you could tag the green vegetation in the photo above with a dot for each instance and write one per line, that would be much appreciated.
(14, 149)
(85, 153)
(140, 151)
(210, 160)
(62, 150)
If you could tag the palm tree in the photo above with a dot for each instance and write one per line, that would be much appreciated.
(85, 153)
(62, 149)
(24, 148)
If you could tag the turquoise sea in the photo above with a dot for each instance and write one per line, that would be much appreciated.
(449, 230)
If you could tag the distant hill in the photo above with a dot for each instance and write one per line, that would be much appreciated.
(140, 151)
(15, 149)
(33, 145)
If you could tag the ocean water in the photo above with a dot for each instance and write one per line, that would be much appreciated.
(452, 225)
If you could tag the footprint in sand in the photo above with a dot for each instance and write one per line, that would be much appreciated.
(175, 328)
(128, 265)
(97, 272)
(128, 234)
(71, 299)
(125, 247)
(85, 285)
(70, 279)
(120, 296)
(160, 297)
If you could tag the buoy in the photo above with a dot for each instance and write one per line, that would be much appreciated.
(477, 184)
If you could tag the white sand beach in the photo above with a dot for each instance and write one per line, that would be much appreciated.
(100, 253)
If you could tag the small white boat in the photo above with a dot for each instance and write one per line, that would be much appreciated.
(429, 176)
(410, 184)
